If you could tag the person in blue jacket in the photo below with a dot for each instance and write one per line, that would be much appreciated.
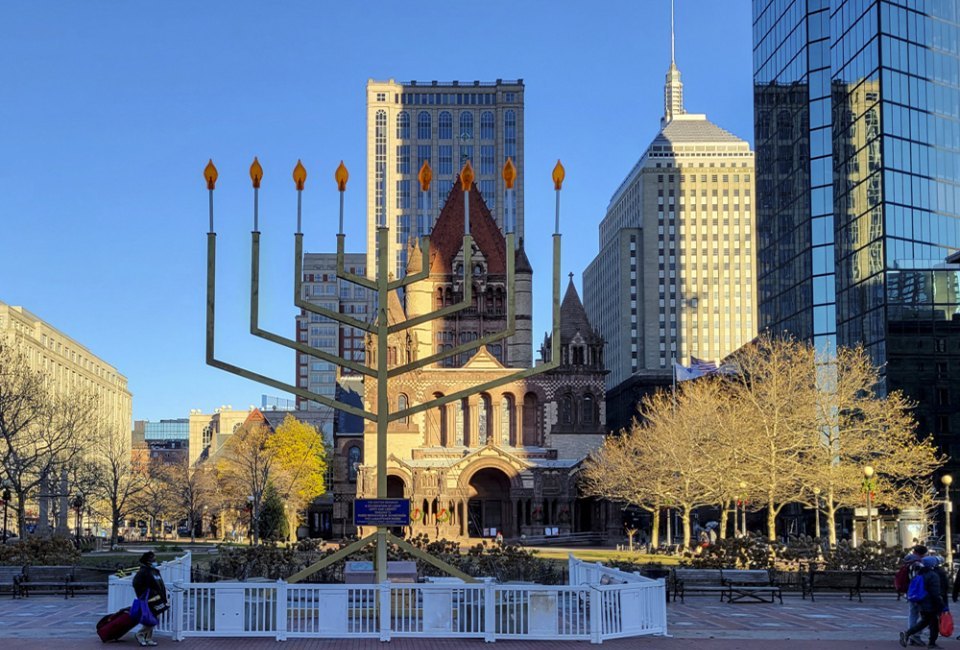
(932, 604)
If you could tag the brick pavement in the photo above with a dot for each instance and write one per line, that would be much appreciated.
(702, 622)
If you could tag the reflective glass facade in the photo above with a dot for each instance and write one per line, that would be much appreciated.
(857, 106)
(178, 429)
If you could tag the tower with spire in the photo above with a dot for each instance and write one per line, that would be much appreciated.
(674, 277)
(673, 88)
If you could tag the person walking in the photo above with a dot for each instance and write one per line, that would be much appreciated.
(908, 570)
(148, 585)
(931, 603)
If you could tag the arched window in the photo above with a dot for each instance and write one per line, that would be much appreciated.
(487, 127)
(423, 126)
(566, 409)
(588, 409)
(403, 125)
(530, 406)
(483, 421)
(354, 458)
(237, 426)
(508, 428)
(207, 436)
(437, 427)
(510, 135)
(458, 419)
(466, 125)
(402, 403)
(445, 126)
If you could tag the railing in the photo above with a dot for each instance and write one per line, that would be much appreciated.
(120, 592)
(605, 604)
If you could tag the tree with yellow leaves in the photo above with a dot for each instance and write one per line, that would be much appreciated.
(301, 461)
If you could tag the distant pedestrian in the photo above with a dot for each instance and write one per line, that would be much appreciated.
(148, 584)
(927, 591)
(909, 567)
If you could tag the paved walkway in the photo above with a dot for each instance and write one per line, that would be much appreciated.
(51, 622)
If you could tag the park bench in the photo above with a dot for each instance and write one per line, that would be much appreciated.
(10, 577)
(854, 582)
(750, 585)
(847, 581)
(87, 580)
(881, 581)
(697, 581)
(45, 579)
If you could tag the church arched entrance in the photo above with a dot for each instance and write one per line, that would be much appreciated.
(396, 489)
(488, 507)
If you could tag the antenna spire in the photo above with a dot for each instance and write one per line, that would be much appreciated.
(672, 57)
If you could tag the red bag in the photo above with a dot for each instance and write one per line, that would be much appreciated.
(946, 623)
(113, 626)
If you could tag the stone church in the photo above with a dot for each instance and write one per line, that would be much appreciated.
(504, 461)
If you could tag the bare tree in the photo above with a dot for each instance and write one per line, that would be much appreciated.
(41, 433)
(108, 479)
(155, 500)
(191, 490)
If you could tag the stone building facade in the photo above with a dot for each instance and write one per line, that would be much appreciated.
(504, 461)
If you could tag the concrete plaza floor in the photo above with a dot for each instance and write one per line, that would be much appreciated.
(702, 622)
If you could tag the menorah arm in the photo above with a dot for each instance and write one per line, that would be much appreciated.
(449, 310)
(476, 344)
(351, 277)
(522, 374)
(243, 372)
(314, 309)
(344, 552)
(282, 340)
(422, 274)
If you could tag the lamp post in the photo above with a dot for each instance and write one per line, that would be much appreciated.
(250, 510)
(868, 488)
(78, 508)
(377, 370)
(6, 503)
(816, 520)
(743, 507)
(946, 479)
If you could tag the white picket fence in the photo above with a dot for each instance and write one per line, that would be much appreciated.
(598, 604)
(120, 592)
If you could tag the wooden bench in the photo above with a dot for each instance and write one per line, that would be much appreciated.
(848, 581)
(45, 579)
(750, 585)
(697, 581)
(86, 580)
(10, 577)
(881, 581)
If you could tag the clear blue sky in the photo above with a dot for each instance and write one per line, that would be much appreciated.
(109, 111)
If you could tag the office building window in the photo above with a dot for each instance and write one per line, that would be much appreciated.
(487, 126)
(403, 159)
(445, 126)
(423, 126)
(510, 134)
(403, 125)
(446, 159)
(466, 125)
(486, 159)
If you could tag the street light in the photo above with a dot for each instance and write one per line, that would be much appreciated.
(743, 508)
(816, 521)
(868, 488)
(77, 507)
(946, 479)
(6, 502)
(250, 510)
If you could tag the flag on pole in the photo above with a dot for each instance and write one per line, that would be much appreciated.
(703, 367)
(682, 373)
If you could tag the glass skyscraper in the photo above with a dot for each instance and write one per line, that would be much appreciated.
(857, 114)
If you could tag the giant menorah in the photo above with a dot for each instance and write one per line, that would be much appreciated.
(377, 369)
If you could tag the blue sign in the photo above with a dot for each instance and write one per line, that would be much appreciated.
(381, 512)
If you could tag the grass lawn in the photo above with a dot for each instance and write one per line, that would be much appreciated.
(606, 555)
